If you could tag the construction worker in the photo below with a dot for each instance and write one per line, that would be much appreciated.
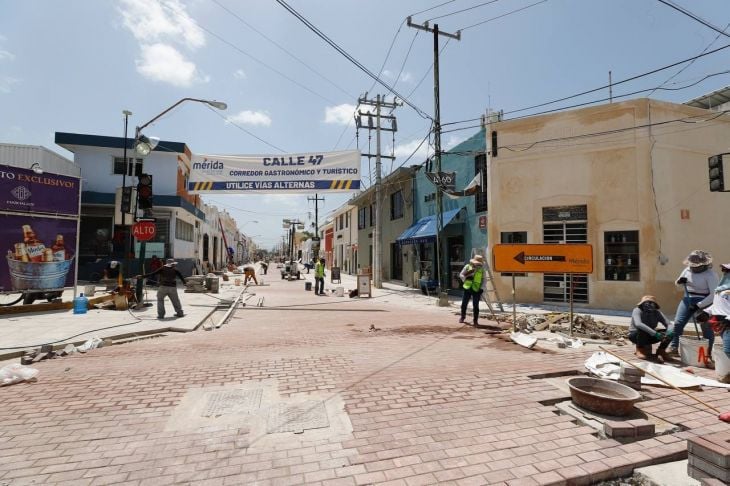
(319, 277)
(643, 329)
(698, 281)
(249, 272)
(168, 288)
(472, 276)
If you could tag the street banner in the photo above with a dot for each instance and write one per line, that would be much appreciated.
(22, 190)
(275, 174)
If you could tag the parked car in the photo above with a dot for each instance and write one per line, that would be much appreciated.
(290, 268)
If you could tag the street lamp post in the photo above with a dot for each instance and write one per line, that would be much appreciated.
(125, 234)
(144, 145)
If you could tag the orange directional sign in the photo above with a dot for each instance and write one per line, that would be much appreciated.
(543, 258)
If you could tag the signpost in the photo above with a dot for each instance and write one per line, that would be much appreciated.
(524, 258)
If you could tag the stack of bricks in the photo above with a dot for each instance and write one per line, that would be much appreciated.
(629, 430)
(630, 376)
(709, 458)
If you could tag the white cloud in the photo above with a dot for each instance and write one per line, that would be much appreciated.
(6, 55)
(340, 114)
(405, 76)
(248, 117)
(152, 21)
(452, 141)
(405, 150)
(239, 74)
(162, 62)
(6, 83)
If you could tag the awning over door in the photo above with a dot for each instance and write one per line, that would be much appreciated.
(424, 230)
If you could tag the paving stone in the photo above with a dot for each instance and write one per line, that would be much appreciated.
(709, 450)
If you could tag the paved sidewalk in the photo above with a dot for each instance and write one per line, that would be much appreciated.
(324, 391)
(26, 331)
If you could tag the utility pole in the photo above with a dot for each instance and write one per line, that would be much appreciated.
(379, 102)
(316, 199)
(440, 264)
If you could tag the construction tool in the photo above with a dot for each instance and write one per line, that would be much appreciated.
(723, 416)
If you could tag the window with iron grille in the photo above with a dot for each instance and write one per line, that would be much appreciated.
(396, 205)
(480, 198)
(361, 218)
(133, 169)
(183, 230)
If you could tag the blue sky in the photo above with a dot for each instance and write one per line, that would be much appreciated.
(74, 66)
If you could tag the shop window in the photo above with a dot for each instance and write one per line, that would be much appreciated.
(480, 197)
(621, 250)
(396, 205)
(133, 169)
(513, 237)
(183, 230)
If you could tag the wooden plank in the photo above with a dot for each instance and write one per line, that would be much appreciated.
(50, 306)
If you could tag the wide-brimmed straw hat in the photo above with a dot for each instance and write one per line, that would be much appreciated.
(698, 258)
(477, 260)
(170, 262)
(725, 267)
(648, 298)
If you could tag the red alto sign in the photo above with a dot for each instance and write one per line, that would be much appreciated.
(144, 230)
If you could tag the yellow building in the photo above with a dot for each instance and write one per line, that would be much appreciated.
(629, 178)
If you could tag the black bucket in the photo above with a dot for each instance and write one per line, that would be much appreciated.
(307, 286)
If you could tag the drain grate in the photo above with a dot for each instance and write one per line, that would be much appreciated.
(228, 402)
(297, 417)
(555, 374)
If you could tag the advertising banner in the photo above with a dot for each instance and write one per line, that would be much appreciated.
(275, 174)
(37, 252)
(22, 190)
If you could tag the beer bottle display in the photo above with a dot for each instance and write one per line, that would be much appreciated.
(20, 253)
(34, 248)
(59, 249)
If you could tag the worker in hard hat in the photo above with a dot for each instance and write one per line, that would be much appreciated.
(643, 331)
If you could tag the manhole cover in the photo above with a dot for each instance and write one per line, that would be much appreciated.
(297, 417)
(231, 401)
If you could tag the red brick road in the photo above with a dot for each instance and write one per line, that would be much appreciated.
(430, 402)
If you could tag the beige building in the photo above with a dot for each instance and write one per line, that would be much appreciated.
(344, 242)
(629, 178)
(397, 214)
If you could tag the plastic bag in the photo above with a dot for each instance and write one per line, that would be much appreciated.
(92, 343)
(15, 373)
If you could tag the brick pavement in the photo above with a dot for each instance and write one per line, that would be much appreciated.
(429, 402)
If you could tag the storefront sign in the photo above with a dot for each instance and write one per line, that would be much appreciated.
(289, 173)
(543, 258)
(22, 190)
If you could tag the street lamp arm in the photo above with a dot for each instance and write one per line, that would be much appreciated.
(216, 104)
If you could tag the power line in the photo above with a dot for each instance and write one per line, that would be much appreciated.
(405, 59)
(265, 65)
(691, 62)
(431, 8)
(462, 10)
(632, 78)
(281, 48)
(350, 58)
(503, 15)
(693, 16)
(228, 120)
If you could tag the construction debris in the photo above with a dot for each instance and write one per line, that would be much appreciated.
(15, 373)
(584, 325)
(523, 339)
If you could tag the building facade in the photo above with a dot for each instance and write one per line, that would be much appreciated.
(629, 178)
(344, 238)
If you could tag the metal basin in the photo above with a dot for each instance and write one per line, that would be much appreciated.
(603, 396)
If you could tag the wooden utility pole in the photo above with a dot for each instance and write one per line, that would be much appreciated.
(379, 103)
(440, 263)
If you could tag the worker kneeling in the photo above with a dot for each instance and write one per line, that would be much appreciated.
(643, 332)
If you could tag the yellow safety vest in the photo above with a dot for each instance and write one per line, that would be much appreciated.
(474, 282)
(319, 270)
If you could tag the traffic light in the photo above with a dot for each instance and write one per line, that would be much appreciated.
(127, 199)
(144, 192)
(717, 178)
